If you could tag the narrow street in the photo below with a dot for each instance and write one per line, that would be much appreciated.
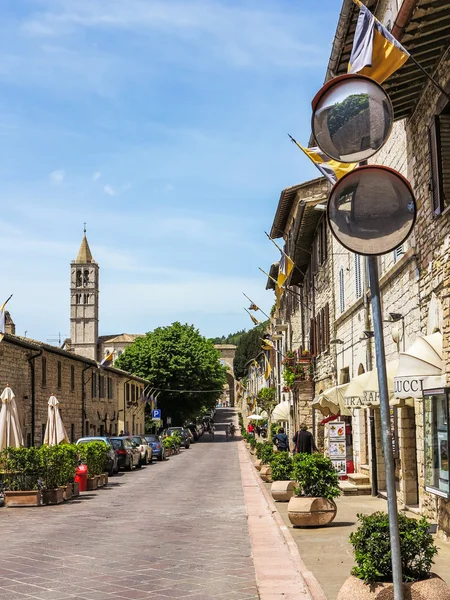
(176, 529)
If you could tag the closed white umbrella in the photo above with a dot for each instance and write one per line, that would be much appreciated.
(10, 428)
(55, 432)
(331, 401)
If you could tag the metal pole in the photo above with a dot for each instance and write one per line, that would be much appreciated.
(386, 433)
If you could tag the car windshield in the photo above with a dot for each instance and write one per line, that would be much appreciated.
(88, 440)
(152, 438)
(116, 444)
(137, 440)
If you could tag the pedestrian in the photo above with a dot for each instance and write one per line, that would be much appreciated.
(304, 441)
(258, 430)
(281, 441)
(121, 433)
(251, 429)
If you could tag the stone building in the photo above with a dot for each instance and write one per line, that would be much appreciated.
(94, 400)
(227, 353)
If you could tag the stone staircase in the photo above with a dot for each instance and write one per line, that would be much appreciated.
(357, 484)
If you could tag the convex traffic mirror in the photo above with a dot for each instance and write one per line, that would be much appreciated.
(352, 118)
(371, 210)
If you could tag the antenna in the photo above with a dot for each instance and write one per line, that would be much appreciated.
(84, 227)
(54, 340)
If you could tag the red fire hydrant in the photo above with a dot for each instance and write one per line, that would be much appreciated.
(81, 476)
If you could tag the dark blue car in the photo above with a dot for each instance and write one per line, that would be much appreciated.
(158, 449)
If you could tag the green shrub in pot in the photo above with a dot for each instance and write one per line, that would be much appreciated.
(21, 469)
(95, 456)
(372, 548)
(266, 453)
(316, 476)
(252, 442)
(281, 465)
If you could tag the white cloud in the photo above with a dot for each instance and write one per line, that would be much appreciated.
(96, 176)
(57, 177)
(109, 190)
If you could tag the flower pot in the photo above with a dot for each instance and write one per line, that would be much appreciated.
(432, 588)
(304, 511)
(282, 491)
(68, 491)
(76, 489)
(24, 498)
(266, 473)
(91, 484)
(258, 464)
(55, 496)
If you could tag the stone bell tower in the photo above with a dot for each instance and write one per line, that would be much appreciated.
(84, 290)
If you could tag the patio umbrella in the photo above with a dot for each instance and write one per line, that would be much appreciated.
(10, 427)
(281, 411)
(331, 401)
(256, 417)
(54, 432)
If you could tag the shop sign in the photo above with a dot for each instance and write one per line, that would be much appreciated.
(337, 450)
(408, 387)
(367, 399)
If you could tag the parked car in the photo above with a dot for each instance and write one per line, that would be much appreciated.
(185, 437)
(158, 450)
(112, 465)
(190, 434)
(144, 448)
(197, 430)
(127, 451)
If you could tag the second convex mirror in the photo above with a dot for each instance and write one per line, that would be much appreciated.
(352, 118)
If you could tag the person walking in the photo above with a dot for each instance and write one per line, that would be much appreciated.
(304, 441)
(251, 429)
(281, 441)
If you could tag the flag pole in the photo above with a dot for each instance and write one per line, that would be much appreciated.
(252, 317)
(430, 77)
(6, 302)
(251, 302)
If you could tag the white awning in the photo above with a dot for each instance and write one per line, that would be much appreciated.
(281, 412)
(331, 401)
(363, 390)
(420, 367)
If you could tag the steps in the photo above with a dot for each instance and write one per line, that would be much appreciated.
(358, 484)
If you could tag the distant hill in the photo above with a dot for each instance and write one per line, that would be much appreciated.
(231, 338)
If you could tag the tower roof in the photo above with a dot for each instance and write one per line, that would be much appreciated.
(84, 254)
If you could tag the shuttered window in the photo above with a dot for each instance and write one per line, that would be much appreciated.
(358, 283)
(439, 148)
(341, 290)
(399, 252)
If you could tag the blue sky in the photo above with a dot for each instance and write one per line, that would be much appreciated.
(162, 124)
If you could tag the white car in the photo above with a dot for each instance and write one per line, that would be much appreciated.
(144, 449)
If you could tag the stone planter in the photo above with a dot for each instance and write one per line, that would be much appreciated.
(91, 484)
(168, 451)
(258, 464)
(311, 512)
(100, 481)
(25, 498)
(53, 496)
(282, 491)
(68, 492)
(266, 473)
(75, 489)
(428, 589)
(252, 451)
(105, 479)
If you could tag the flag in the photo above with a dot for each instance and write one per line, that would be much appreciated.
(285, 269)
(107, 360)
(331, 169)
(253, 307)
(267, 345)
(3, 315)
(268, 369)
(255, 321)
(375, 52)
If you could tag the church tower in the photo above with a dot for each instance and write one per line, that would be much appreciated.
(84, 289)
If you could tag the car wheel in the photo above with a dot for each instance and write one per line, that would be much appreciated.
(160, 457)
(146, 459)
(129, 466)
(139, 465)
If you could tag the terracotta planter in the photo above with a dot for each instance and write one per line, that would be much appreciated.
(258, 464)
(428, 589)
(282, 491)
(266, 473)
(53, 496)
(311, 512)
(91, 484)
(25, 498)
(76, 489)
(168, 451)
(68, 492)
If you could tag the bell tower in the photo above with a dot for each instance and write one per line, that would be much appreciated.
(84, 290)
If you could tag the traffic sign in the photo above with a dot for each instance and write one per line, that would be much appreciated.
(156, 414)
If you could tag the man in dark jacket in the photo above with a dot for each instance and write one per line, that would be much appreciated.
(304, 441)
(281, 441)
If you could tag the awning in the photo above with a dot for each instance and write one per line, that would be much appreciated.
(420, 367)
(331, 401)
(281, 412)
(363, 390)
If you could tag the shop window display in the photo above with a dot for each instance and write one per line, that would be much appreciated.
(436, 440)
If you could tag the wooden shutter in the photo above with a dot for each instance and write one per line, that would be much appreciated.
(434, 140)
(444, 122)
(327, 327)
(312, 334)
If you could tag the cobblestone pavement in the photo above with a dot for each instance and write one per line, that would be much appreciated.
(175, 529)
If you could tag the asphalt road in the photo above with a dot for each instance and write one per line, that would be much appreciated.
(175, 529)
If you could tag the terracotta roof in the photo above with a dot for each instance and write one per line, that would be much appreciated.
(84, 254)
(119, 338)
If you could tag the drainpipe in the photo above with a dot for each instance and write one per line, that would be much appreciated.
(31, 360)
(83, 401)
(125, 404)
(403, 18)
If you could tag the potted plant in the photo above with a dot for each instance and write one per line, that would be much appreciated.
(70, 454)
(252, 443)
(282, 488)
(176, 442)
(312, 504)
(304, 358)
(52, 469)
(266, 455)
(372, 576)
(94, 455)
(258, 461)
(167, 441)
(21, 476)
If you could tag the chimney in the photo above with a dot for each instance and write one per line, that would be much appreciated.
(10, 326)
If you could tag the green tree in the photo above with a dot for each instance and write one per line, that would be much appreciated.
(177, 357)
(249, 346)
(231, 338)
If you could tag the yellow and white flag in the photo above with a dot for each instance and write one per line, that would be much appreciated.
(268, 369)
(267, 344)
(107, 361)
(254, 319)
(3, 316)
(375, 52)
(329, 168)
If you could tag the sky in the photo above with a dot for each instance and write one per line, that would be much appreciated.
(161, 124)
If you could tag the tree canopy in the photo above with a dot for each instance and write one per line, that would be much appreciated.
(231, 338)
(249, 347)
(177, 357)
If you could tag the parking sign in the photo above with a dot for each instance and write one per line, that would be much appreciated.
(156, 414)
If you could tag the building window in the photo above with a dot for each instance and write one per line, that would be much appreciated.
(322, 249)
(436, 438)
(94, 385)
(44, 371)
(59, 375)
(358, 282)
(127, 393)
(344, 376)
(79, 279)
(72, 378)
(85, 298)
(439, 148)
(86, 277)
(341, 290)
(110, 388)
(398, 253)
(101, 383)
